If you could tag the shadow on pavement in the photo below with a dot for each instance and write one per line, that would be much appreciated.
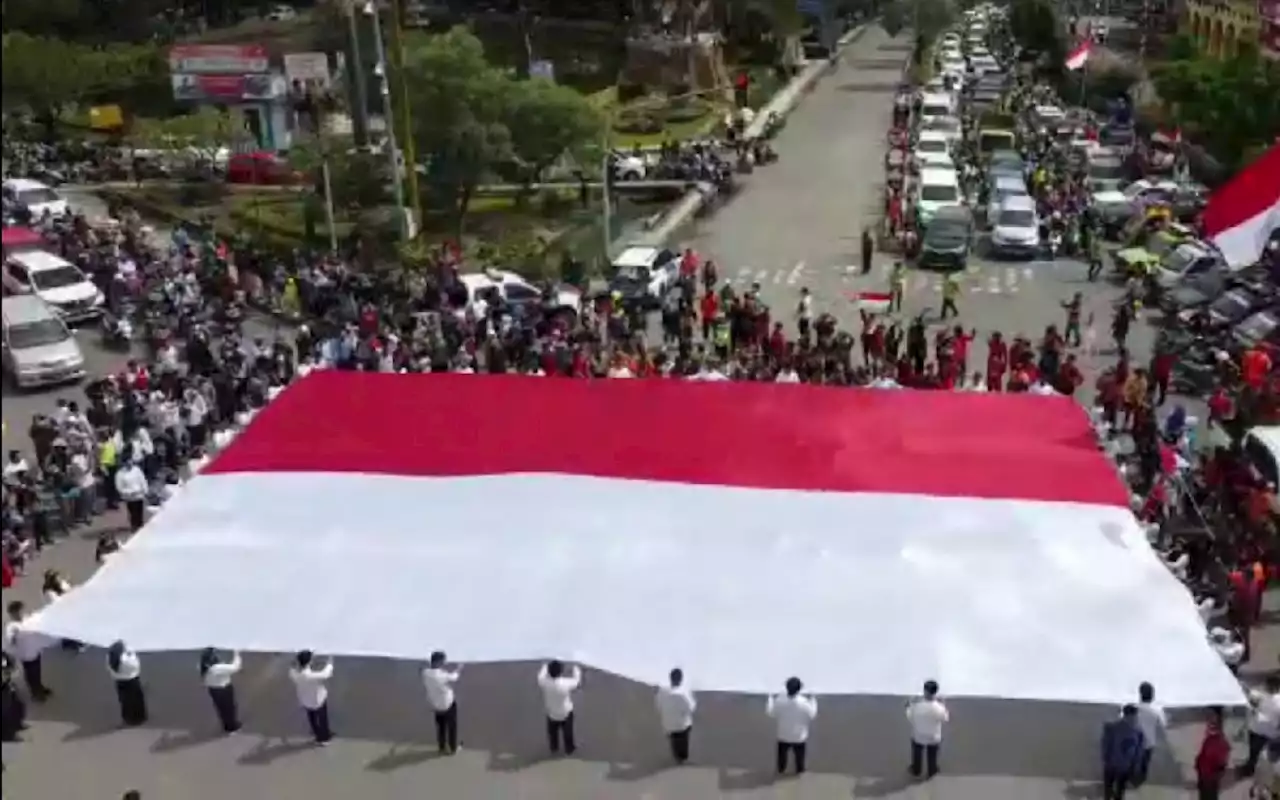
(870, 87)
(501, 714)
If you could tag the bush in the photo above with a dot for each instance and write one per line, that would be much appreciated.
(202, 193)
(638, 121)
(631, 91)
(687, 110)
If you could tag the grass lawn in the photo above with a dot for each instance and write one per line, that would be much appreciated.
(606, 101)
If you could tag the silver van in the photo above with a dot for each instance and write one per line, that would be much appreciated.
(39, 349)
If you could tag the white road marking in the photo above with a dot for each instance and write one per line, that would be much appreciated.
(794, 277)
(993, 284)
(744, 275)
(1028, 273)
(762, 276)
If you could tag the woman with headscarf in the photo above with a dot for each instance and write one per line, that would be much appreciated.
(56, 586)
(126, 671)
(216, 675)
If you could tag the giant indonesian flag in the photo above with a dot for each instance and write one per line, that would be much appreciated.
(1242, 215)
(863, 540)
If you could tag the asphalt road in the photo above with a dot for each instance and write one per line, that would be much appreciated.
(800, 219)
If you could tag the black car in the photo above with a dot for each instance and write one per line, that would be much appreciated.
(947, 240)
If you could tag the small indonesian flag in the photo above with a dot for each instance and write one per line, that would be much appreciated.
(872, 302)
(1242, 215)
(1077, 58)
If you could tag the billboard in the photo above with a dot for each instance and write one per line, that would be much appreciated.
(226, 88)
(309, 70)
(219, 59)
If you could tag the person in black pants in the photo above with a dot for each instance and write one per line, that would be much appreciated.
(25, 647)
(216, 675)
(793, 713)
(558, 685)
(439, 681)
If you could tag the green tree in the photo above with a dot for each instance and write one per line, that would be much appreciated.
(358, 178)
(1229, 106)
(44, 75)
(204, 132)
(1035, 28)
(547, 121)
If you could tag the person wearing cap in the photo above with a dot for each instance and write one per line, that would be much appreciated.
(926, 715)
(676, 705)
(793, 713)
(309, 683)
(131, 485)
(439, 680)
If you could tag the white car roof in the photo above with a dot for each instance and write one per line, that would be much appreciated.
(932, 98)
(934, 136)
(1049, 111)
(1018, 202)
(23, 184)
(638, 257)
(1110, 196)
(39, 261)
(941, 176)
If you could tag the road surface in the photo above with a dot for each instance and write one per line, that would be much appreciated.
(800, 218)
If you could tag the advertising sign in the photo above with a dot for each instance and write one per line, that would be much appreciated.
(225, 88)
(310, 70)
(218, 59)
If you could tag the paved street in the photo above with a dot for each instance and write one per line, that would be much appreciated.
(797, 224)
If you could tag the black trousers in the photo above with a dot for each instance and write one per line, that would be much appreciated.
(137, 513)
(1114, 784)
(447, 729)
(318, 721)
(32, 674)
(796, 750)
(1144, 767)
(224, 702)
(680, 744)
(1256, 745)
(560, 731)
(1208, 788)
(924, 757)
(133, 702)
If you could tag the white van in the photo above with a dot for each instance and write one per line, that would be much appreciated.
(941, 104)
(936, 188)
(39, 349)
(1262, 451)
(55, 280)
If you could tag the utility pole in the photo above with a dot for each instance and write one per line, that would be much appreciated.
(407, 226)
(357, 95)
(406, 114)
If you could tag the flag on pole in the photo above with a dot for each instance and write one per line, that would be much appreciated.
(872, 302)
(1242, 215)
(1078, 57)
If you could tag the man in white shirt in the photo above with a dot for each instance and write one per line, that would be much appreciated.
(676, 705)
(309, 684)
(24, 647)
(439, 680)
(1153, 722)
(1264, 723)
(558, 685)
(131, 485)
(926, 715)
(793, 713)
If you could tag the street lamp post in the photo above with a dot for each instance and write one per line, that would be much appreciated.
(393, 149)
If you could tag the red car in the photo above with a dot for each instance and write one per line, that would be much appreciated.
(261, 169)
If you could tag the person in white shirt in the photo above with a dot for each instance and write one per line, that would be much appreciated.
(56, 586)
(804, 313)
(126, 671)
(558, 684)
(439, 680)
(131, 485)
(787, 375)
(926, 715)
(1154, 723)
(676, 705)
(1229, 648)
(309, 684)
(25, 647)
(216, 676)
(1264, 723)
(793, 713)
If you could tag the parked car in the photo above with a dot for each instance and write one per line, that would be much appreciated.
(262, 169)
(54, 280)
(39, 349)
(947, 240)
(642, 275)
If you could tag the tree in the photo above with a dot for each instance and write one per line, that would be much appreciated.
(470, 117)
(358, 178)
(204, 132)
(1227, 105)
(48, 75)
(1035, 27)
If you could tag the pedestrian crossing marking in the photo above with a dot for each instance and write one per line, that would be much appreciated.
(794, 277)
(762, 276)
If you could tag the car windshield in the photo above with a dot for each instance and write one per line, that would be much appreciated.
(935, 111)
(938, 193)
(1017, 218)
(1231, 305)
(1111, 170)
(947, 234)
(1258, 327)
(36, 334)
(35, 197)
(932, 146)
(637, 274)
(57, 278)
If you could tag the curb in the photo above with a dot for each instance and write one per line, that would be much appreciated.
(783, 103)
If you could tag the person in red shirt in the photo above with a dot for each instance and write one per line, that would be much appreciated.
(1213, 758)
(710, 310)
(1220, 406)
(960, 348)
(778, 342)
(1254, 366)
(1161, 374)
(1069, 377)
(997, 362)
(689, 264)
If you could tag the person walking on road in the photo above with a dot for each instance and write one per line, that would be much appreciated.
(1122, 749)
(950, 293)
(1213, 758)
(126, 672)
(926, 714)
(439, 681)
(131, 486)
(897, 286)
(1154, 722)
(793, 713)
(676, 705)
(216, 676)
(25, 647)
(868, 249)
(558, 684)
(309, 682)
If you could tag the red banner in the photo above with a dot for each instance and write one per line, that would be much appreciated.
(219, 59)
